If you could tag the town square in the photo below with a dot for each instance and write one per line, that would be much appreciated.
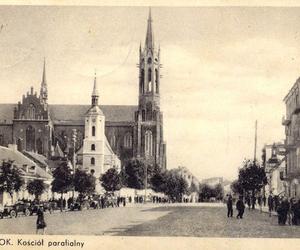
(150, 121)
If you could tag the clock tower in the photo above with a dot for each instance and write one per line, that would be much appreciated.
(94, 137)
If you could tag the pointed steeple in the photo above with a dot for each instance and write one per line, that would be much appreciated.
(44, 89)
(95, 93)
(149, 43)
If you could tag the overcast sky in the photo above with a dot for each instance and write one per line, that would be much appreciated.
(223, 68)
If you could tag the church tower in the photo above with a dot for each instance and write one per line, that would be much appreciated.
(149, 119)
(94, 141)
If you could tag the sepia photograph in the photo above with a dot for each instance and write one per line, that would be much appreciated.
(149, 121)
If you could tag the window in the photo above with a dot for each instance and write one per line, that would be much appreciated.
(92, 161)
(93, 147)
(31, 112)
(149, 80)
(142, 81)
(93, 131)
(1, 140)
(148, 143)
(149, 111)
(143, 115)
(128, 140)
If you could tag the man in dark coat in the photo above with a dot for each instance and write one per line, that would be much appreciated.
(229, 206)
(240, 208)
(270, 204)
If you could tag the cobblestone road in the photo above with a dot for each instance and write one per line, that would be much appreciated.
(151, 220)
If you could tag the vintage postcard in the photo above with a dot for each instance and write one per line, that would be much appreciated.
(175, 125)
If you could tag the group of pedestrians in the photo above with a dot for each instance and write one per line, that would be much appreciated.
(240, 206)
(288, 211)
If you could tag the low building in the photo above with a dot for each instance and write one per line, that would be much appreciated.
(274, 161)
(29, 170)
(191, 181)
(213, 181)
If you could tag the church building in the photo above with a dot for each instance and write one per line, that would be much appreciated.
(130, 130)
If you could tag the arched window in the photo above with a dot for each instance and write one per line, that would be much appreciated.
(149, 111)
(92, 161)
(142, 81)
(143, 115)
(93, 131)
(30, 138)
(156, 81)
(128, 141)
(154, 115)
(113, 141)
(148, 143)
(149, 80)
(93, 147)
(31, 112)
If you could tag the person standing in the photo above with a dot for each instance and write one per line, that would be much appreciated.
(259, 201)
(270, 204)
(240, 207)
(253, 201)
(229, 206)
(40, 222)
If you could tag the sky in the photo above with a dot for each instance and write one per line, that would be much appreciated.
(223, 68)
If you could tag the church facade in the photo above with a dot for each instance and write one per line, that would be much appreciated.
(131, 130)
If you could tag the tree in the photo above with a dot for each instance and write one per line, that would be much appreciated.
(63, 180)
(176, 186)
(84, 183)
(252, 177)
(133, 173)
(206, 192)
(219, 191)
(36, 187)
(193, 188)
(10, 178)
(111, 180)
(158, 180)
(236, 187)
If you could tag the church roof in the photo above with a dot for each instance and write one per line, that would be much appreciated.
(64, 113)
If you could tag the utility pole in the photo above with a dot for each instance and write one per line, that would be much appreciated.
(146, 182)
(255, 141)
(74, 157)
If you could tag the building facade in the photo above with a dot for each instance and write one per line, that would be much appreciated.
(131, 131)
(291, 121)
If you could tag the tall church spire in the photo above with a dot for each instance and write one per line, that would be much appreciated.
(95, 93)
(149, 43)
(44, 89)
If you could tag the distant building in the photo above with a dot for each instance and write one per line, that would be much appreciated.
(191, 181)
(274, 161)
(29, 170)
(212, 181)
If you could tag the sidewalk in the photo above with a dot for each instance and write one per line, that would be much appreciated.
(265, 209)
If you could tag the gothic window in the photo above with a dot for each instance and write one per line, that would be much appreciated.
(30, 139)
(1, 140)
(142, 81)
(148, 143)
(156, 80)
(154, 115)
(113, 141)
(92, 161)
(93, 130)
(143, 115)
(31, 112)
(149, 80)
(149, 60)
(128, 140)
(39, 146)
(149, 111)
(93, 147)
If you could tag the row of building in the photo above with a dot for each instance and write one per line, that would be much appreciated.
(282, 159)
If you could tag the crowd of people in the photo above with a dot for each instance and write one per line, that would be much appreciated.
(288, 211)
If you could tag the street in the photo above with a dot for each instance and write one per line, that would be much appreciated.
(198, 220)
